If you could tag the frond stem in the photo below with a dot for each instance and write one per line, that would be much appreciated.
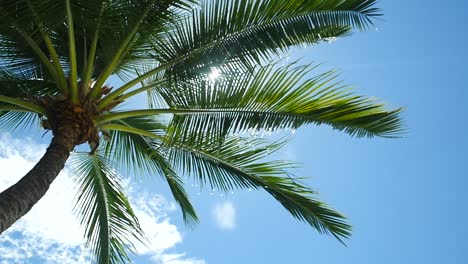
(50, 47)
(31, 107)
(119, 54)
(150, 112)
(132, 130)
(88, 71)
(139, 90)
(72, 53)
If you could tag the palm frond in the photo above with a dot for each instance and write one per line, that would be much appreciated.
(139, 153)
(24, 82)
(143, 19)
(22, 43)
(109, 221)
(132, 151)
(148, 85)
(236, 164)
(270, 99)
(274, 98)
(242, 33)
(114, 21)
(16, 121)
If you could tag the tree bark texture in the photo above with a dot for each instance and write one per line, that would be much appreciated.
(17, 200)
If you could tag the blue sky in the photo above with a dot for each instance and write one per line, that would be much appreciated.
(406, 198)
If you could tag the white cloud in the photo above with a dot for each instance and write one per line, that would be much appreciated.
(51, 233)
(178, 259)
(225, 215)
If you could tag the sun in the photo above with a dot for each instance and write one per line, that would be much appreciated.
(214, 74)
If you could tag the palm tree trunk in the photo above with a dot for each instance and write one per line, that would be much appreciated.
(17, 200)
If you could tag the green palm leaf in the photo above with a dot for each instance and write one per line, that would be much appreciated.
(18, 121)
(273, 98)
(104, 210)
(236, 164)
(270, 99)
(132, 152)
(20, 85)
(243, 33)
(24, 84)
(140, 154)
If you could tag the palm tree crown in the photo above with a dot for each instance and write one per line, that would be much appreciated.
(57, 57)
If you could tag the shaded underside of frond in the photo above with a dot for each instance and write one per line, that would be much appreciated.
(242, 33)
(139, 153)
(30, 29)
(237, 164)
(18, 121)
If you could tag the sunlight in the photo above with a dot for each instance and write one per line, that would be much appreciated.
(214, 74)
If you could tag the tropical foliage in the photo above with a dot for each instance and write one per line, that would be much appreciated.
(57, 58)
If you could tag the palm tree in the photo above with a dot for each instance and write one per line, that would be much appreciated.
(57, 56)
